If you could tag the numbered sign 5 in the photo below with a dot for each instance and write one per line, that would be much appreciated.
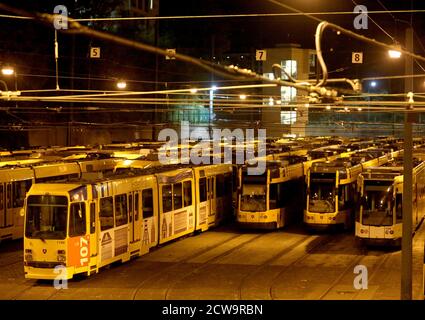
(357, 57)
(95, 52)
(261, 55)
(79, 251)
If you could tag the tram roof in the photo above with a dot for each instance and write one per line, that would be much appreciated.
(53, 188)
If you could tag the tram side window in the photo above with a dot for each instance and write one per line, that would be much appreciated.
(399, 209)
(342, 197)
(121, 210)
(274, 196)
(9, 195)
(136, 206)
(77, 219)
(187, 192)
(1, 197)
(147, 203)
(106, 213)
(20, 189)
(177, 195)
(167, 198)
(219, 185)
(130, 203)
(202, 189)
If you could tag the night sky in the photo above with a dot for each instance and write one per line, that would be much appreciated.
(29, 46)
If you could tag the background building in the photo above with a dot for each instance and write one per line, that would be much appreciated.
(286, 109)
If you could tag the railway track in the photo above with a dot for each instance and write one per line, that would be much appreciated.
(203, 265)
(323, 241)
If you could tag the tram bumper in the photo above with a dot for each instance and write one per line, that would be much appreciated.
(58, 272)
(258, 225)
(379, 235)
(257, 220)
(324, 221)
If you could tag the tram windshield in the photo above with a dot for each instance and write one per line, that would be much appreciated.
(377, 205)
(322, 197)
(46, 217)
(253, 198)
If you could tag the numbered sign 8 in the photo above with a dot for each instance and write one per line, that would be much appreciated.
(357, 57)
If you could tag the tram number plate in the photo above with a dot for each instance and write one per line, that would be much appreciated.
(79, 251)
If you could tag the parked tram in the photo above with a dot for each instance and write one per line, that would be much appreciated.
(276, 198)
(15, 181)
(271, 200)
(331, 188)
(86, 224)
(379, 217)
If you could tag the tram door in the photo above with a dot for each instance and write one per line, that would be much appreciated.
(93, 238)
(2, 206)
(133, 205)
(211, 199)
(131, 216)
(137, 214)
(8, 213)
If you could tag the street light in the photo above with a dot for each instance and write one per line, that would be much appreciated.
(121, 84)
(395, 53)
(7, 71)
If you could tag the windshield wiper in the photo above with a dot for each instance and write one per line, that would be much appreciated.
(42, 239)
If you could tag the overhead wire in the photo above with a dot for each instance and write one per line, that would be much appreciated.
(215, 16)
(211, 67)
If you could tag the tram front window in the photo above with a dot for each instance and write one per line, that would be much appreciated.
(253, 198)
(377, 205)
(322, 197)
(46, 217)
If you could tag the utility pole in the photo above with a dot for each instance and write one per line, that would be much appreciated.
(406, 247)
(71, 114)
(155, 118)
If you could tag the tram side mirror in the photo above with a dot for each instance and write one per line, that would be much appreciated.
(308, 191)
(22, 212)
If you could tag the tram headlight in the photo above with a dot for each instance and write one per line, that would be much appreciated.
(389, 231)
(28, 255)
(61, 256)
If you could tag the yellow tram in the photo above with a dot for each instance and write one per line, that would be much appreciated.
(86, 224)
(379, 217)
(331, 188)
(267, 201)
